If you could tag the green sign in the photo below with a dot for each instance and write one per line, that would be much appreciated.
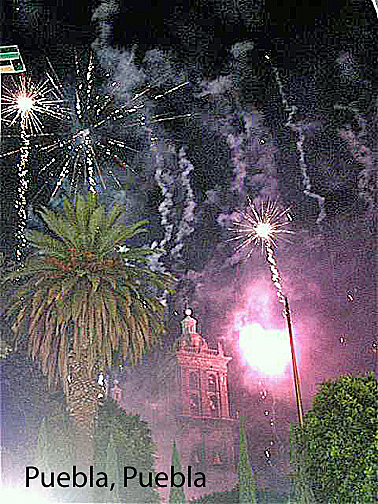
(10, 60)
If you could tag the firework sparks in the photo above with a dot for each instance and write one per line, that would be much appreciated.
(96, 134)
(261, 227)
(87, 141)
(264, 227)
(26, 103)
(30, 103)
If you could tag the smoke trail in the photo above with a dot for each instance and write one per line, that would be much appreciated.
(298, 129)
(104, 16)
(235, 142)
(185, 227)
(306, 179)
(166, 183)
(367, 178)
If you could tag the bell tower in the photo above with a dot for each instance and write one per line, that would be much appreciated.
(206, 430)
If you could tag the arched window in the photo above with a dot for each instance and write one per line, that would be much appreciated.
(219, 457)
(193, 380)
(194, 405)
(212, 382)
(197, 457)
(214, 405)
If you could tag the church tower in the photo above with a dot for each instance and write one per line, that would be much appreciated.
(205, 429)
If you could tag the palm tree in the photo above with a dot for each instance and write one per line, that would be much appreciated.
(83, 298)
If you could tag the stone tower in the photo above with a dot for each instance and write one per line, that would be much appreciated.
(205, 429)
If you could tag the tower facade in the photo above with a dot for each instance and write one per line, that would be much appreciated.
(205, 429)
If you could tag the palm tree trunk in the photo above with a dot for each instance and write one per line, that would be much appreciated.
(83, 398)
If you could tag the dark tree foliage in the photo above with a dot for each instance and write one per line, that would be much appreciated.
(134, 447)
(36, 430)
(339, 441)
(228, 497)
(25, 401)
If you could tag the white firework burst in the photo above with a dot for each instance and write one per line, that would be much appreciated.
(95, 133)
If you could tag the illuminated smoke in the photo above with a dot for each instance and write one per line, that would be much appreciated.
(265, 350)
(187, 219)
(235, 142)
(215, 87)
(103, 16)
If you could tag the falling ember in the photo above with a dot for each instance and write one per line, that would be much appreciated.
(266, 350)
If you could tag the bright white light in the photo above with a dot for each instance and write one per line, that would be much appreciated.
(100, 379)
(25, 103)
(265, 349)
(17, 496)
(264, 230)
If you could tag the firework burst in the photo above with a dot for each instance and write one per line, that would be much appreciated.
(76, 131)
(263, 228)
(99, 135)
(29, 103)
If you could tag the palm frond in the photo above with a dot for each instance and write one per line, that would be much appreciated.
(69, 212)
(114, 214)
(79, 293)
(45, 242)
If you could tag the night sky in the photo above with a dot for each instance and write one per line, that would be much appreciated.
(280, 103)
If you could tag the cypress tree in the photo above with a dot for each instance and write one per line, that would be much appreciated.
(247, 488)
(176, 495)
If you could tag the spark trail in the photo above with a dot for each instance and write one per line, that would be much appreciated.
(264, 228)
(23, 187)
